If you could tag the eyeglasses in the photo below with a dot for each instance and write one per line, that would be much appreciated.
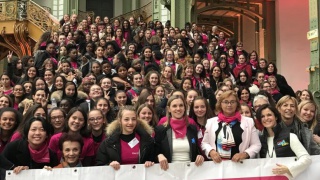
(57, 117)
(229, 102)
(95, 119)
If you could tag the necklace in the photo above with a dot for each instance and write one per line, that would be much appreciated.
(271, 153)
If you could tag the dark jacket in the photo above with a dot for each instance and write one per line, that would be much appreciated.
(110, 148)
(163, 140)
(280, 135)
(304, 134)
(17, 152)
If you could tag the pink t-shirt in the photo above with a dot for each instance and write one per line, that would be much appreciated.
(130, 155)
(87, 150)
(16, 136)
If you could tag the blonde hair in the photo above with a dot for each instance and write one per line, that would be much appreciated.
(120, 114)
(225, 95)
(314, 121)
(285, 99)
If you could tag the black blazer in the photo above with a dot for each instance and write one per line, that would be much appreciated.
(163, 140)
(17, 152)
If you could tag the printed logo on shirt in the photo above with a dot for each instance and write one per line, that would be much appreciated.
(282, 143)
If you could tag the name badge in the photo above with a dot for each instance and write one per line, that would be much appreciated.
(133, 142)
(200, 135)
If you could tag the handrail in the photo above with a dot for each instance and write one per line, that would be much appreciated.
(143, 12)
(47, 8)
(39, 16)
(8, 10)
(83, 15)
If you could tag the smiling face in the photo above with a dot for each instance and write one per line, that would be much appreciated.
(229, 105)
(305, 95)
(177, 108)
(137, 80)
(106, 84)
(57, 119)
(245, 111)
(199, 108)
(59, 83)
(4, 102)
(76, 122)
(307, 112)
(96, 120)
(102, 105)
(36, 135)
(245, 95)
(268, 118)
(128, 121)
(70, 90)
(287, 110)
(71, 151)
(186, 85)
(121, 98)
(7, 121)
(153, 79)
(146, 114)
(39, 96)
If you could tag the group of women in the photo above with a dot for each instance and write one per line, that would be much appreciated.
(168, 96)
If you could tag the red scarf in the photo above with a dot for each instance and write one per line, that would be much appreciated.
(179, 127)
(223, 118)
(231, 60)
(40, 155)
(239, 53)
(248, 103)
(275, 91)
(254, 63)
(241, 66)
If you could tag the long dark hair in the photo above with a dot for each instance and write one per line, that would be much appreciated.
(209, 113)
(84, 130)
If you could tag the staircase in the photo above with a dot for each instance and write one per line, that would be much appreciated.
(22, 22)
(143, 13)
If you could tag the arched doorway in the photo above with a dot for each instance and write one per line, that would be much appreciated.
(249, 21)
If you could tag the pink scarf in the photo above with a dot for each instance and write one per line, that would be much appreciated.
(231, 60)
(223, 118)
(275, 91)
(179, 127)
(40, 155)
(241, 66)
(254, 63)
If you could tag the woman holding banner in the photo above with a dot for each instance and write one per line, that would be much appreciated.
(176, 140)
(128, 141)
(230, 135)
(278, 142)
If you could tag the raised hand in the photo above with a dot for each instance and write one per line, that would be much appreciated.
(9, 56)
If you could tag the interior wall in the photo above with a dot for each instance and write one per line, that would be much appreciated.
(248, 34)
(44, 3)
(292, 46)
(82, 5)
(144, 2)
(118, 4)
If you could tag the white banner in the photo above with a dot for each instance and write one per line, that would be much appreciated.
(251, 169)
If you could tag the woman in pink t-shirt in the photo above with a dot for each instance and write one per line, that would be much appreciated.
(76, 122)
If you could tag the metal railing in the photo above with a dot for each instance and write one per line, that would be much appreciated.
(143, 12)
